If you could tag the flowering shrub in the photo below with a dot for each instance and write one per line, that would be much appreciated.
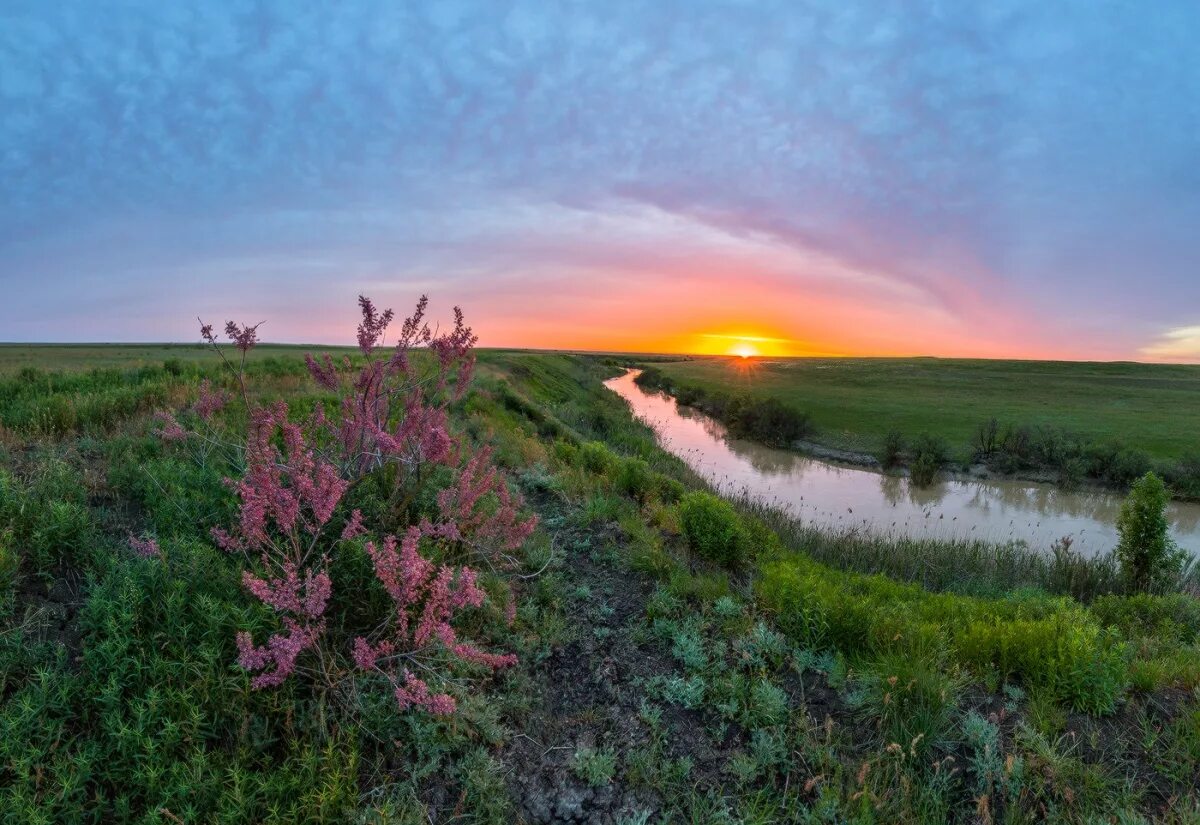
(391, 426)
(146, 548)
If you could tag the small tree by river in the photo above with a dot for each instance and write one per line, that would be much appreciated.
(1150, 559)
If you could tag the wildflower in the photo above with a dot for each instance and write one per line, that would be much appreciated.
(323, 372)
(280, 652)
(365, 655)
(372, 326)
(244, 338)
(298, 471)
(415, 691)
(291, 594)
(209, 402)
(169, 429)
(146, 548)
(354, 527)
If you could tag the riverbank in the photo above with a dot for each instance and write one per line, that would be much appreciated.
(844, 497)
(1043, 453)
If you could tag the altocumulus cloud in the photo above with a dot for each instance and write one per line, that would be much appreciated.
(965, 178)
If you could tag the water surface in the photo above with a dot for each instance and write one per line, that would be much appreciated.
(832, 495)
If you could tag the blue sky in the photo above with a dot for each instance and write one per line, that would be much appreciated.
(922, 177)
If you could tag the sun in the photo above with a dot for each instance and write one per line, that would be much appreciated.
(743, 350)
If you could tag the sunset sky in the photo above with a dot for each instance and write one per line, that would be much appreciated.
(986, 179)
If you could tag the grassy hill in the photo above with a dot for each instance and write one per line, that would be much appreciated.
(681, 658)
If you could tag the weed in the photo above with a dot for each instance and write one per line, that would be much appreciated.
(595, 767)
(713, 529)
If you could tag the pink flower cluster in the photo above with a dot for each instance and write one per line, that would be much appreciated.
(465, 508)
(210, 401)
(289, 492)
(393, 414)
(279, 653)
(169, 429)
(146, 548)
(425, 597)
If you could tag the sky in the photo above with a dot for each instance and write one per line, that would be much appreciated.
(1000, 179)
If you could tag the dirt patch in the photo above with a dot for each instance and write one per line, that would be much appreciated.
(589, 697)
(47, 608)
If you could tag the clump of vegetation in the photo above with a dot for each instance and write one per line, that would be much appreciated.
(295, 520)
(1149, 559)
(767, 420)
(595, 767)
(635, 479)
(892, 453)
(929, 455)
(713, 528)
(1048, 642)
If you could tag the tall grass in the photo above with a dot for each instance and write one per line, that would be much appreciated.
(954, 565)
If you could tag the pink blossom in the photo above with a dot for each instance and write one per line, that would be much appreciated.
(146, 548)
(280, 652)
(169, 428)
(354, 527)
(466, 504)
(244, 338)
(323, 372)
(289, 593)
(366, 655)
(224, 540)
(415, 691)
(372, 326)
(209, 402)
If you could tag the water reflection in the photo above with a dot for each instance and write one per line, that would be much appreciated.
(834, 495)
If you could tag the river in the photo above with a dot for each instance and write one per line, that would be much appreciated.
(843, 497)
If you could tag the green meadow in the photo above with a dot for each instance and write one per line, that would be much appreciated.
(854, 402)
(680, 657)
(1064, 422)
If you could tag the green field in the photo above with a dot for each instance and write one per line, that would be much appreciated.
(75, 357)
(854, 402)
(680, 657)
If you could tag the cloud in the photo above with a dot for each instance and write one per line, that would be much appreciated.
(1013, 174)
(1181, 344)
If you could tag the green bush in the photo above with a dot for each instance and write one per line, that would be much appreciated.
(713, 528)
(1174, 617)
(909, 698)
(47, 515)
(153, 716)
(635, 479)
(767, 420)
(929, 454)
(1115, 464)
(1149, 559)
(1184, 476)
(1075, 661)
(1046, 641)
(596, 457)
(892, 452)
(669, 490)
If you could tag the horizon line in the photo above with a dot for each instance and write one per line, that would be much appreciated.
(580, 351)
